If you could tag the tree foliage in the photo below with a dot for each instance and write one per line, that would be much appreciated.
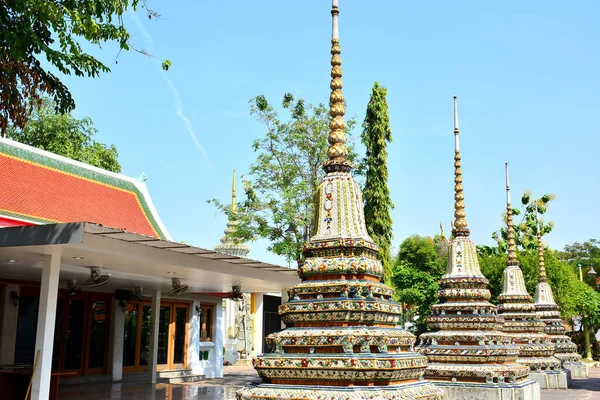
(572, 295)
(417, 268)
(525, 229)
(30, 29)
(67, 136)
(281, 187)
(376, 193)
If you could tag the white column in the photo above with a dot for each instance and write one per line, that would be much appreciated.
(44, 339)
(257, 325)
(218, 341)
(8, 324)
(153, 358)
(116, 341)
(193, 352)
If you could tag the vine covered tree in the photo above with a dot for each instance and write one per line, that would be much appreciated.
(31, 30)
(65, 135)
(282, 183)
(376, 193)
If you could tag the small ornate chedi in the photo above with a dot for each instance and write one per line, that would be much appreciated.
(342, 341)
(468, 354)
(228, 245)
(549, 313)
(521, 322)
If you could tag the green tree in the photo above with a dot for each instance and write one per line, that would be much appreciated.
(417, 268)
(67, 136)
(584, 254)
(376, 193)
(30, 29)
(282, 183)
(525, 230)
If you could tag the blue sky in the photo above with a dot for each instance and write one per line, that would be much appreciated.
(526, 74)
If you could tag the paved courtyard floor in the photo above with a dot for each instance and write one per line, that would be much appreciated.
(237, 377)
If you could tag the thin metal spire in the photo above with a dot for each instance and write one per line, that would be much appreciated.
(460, 216)
(511, 245)
(233, 195)
(541, 262)
(338, 152)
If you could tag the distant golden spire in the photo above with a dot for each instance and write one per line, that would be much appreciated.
(541, 262)
(338, 152)
(233, 197)
(460, 216)
(511, 245)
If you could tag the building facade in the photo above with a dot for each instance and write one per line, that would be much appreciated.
(91, 284)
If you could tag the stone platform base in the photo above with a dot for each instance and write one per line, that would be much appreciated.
(421, 390)
(525, 390)
(245, 362)
(551, 379)
(578, 369)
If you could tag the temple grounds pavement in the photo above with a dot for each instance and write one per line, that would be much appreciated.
(237, 377)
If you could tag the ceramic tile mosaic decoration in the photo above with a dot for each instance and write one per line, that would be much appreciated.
(342, 341)
(469, 355)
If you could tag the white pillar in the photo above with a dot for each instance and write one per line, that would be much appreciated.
(193, 352)
(44, 339)
(218, 341)
(116, 341)
(8, 323)
(153, 358)
(257, 332)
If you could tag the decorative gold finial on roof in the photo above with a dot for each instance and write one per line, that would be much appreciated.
(511, 245)
(233, 202)
(337, 152)
(541, 261)
(460, 223)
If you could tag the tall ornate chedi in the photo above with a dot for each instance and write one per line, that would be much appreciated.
(468, 354)
(343, 341)
(521, 322)
(549, 313)
(229, 245)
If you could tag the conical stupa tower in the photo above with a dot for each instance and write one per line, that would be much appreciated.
(549, 313)
(228, 245)
(468, 354)
(343, 341)
(521, 322)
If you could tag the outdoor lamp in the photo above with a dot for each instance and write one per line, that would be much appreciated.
(591, 273)
(291, 228)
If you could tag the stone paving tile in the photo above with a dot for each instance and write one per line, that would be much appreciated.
(236, 377)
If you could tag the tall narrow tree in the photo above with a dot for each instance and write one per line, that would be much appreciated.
(378, 204)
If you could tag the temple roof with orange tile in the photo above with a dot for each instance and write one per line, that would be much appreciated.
(39, 187)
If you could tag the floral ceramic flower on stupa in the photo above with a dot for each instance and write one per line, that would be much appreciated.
(469, 356)
(342, 340)
(521, 323)
(549, 313)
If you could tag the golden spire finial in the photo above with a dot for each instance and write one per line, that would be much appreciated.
(460, 222)
(233, 197)
(511, 245)
(338, 152)
(541, 261)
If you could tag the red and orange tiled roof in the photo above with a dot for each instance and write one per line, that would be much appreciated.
(39, 187)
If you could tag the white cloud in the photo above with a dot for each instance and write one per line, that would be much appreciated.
(178, 104)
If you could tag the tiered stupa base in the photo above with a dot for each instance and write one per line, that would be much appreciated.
(409, 391)
(524, 390)
(557, 379)
(566, 350)
(577, 370)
